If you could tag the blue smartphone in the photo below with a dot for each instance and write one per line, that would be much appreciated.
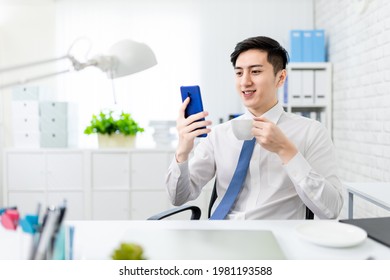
(195, 105)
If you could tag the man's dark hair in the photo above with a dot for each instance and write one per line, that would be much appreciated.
(277, 55)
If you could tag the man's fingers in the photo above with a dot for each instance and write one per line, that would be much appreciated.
(198, 132)
(197, 116)
(183, 107)
(261, 122)
(196, 125)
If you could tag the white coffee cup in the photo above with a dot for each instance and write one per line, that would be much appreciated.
(242, 128)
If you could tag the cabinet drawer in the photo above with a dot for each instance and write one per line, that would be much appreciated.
(26, 123)
(25, 108)
(74, 203)
(27, 202)
(65, 171)
(107, 205)
(149, 203)
(148, 170)
(110, 171)
(25, 171)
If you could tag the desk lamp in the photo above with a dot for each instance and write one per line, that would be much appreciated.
(123, 58)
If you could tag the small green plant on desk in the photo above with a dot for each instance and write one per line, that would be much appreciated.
(108, 123)
(128, 251)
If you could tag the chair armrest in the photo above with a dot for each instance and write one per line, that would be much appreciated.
(195, 215)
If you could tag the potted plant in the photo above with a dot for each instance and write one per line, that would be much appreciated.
(114, 130)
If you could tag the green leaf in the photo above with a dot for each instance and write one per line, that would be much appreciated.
(107, 122)
(128, 251)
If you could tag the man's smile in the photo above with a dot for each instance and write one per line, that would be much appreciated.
(248, 92)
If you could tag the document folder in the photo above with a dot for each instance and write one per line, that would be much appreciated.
(318, 39)
(296, 46)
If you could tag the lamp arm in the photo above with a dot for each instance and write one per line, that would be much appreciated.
(27, 65)
(102, 62)
(36, 78)
(126, 57)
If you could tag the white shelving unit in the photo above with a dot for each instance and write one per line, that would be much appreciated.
(99, 184)
(308, 91)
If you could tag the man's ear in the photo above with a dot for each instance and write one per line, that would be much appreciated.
(281, 77)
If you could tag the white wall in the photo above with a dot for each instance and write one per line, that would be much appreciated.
(27, 30)
(192, 40)
(359, 48)
(27, 34)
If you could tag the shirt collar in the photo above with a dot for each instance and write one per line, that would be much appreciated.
(272, 114)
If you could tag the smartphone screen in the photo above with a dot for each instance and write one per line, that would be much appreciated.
(195, 105)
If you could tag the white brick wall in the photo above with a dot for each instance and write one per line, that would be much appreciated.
(359, 48)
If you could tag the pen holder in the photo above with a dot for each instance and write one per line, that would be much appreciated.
(10, 219)
(29, 224)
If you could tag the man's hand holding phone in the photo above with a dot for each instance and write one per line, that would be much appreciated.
(190, 123)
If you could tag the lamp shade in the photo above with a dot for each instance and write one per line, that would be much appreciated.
(129, 57)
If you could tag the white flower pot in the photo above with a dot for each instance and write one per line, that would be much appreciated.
(116, 141)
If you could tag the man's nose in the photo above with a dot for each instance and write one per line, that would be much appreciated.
(246, 79)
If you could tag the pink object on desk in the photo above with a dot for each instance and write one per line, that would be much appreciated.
(10, 219)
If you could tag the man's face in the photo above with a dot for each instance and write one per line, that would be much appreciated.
(256, 82)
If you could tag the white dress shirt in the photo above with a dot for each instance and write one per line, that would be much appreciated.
(272, 190)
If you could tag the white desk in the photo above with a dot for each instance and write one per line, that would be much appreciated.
(97, 239)
(376, 193)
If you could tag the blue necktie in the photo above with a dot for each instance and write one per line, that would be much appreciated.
(237, 181)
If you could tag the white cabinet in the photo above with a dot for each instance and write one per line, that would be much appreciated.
(148, 203)
(129, 184)
(148, 195)
(110, 170)
(110, 205)
(308, 91)
(112, 184)
(46, 177)
(25, 117)
(148, 170)
(65, 171)
(25, 171)
(27, 201)
(74, 200)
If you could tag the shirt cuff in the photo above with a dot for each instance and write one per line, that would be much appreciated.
(179, 169)
(297, 168)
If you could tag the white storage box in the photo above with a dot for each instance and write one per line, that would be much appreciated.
(26, 139)
(58, 124)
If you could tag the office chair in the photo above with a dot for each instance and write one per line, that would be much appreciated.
(196, 212)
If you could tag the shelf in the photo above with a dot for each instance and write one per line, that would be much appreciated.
(308, 91)
(309, 65)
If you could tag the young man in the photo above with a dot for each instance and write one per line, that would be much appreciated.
(293, 164)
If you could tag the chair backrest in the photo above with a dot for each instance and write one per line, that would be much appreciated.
(214, 195)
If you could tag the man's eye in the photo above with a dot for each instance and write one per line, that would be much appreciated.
(239, 73)
(256, 71)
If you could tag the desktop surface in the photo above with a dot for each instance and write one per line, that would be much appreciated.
(96, 240)
(187, 244)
